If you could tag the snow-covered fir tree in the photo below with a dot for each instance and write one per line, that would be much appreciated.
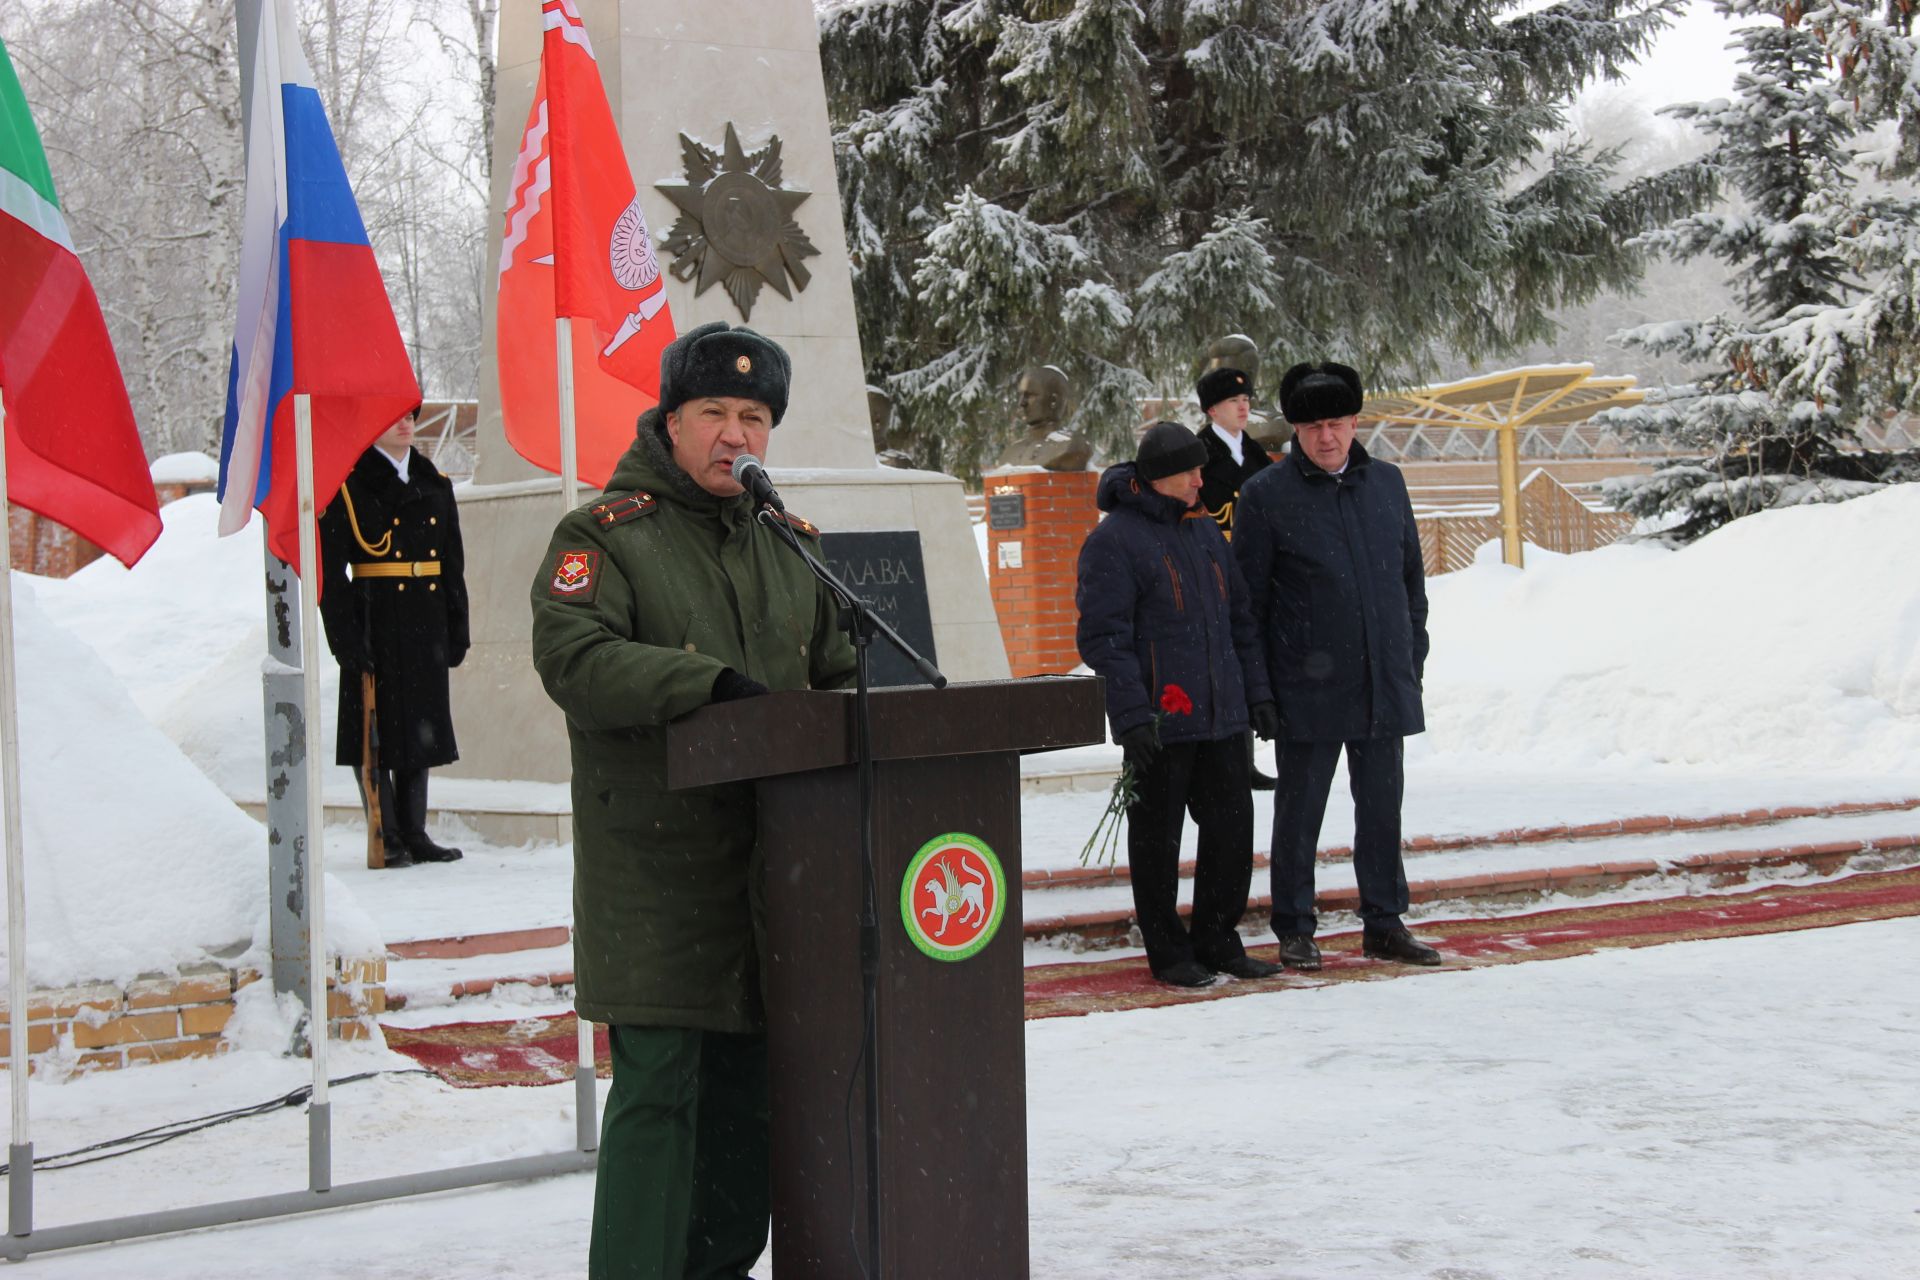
(1827, 264)
(1108, 185)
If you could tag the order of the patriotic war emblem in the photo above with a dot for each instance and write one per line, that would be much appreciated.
(736, 222)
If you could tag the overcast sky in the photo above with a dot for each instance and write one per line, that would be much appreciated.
(1691, 62)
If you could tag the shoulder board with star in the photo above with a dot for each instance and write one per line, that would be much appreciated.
(628, 506)
(801, 523)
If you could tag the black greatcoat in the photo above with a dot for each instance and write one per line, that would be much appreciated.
(409, 630)
(1221, 478)
(1332, 564)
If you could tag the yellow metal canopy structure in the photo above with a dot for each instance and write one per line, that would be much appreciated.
(1508, 402)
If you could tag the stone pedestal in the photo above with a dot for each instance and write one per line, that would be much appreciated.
(1032, 564)
(507, 726)
(670, 68)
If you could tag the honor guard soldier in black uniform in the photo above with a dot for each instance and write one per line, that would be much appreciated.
(394, 602)
(1233, 458)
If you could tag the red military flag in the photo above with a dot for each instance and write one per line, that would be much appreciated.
(576, 244)
(73, 449)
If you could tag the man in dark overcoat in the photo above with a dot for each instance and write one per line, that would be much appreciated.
(1327, 542)
(1233, 458)
(1163, 617)
(660, 597)
(393, 599)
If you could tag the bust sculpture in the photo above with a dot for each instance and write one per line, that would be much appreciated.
(1041, 396)
(888, 445)
(1237, 351)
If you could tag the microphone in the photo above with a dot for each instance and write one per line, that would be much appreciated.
(751, 473)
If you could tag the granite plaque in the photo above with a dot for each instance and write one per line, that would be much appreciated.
(887, 571)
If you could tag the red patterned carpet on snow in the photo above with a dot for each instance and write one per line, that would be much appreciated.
(535, 1051)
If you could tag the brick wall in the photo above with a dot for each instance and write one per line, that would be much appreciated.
(1034, 597)
(160, 1018)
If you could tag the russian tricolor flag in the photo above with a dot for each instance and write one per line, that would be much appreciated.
(314, 315)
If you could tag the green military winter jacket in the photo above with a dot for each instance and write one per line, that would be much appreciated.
(645, 596)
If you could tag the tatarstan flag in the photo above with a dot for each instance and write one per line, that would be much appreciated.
(73, 450)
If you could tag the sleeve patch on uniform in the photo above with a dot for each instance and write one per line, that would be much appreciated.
(629, 506)
(576, 577)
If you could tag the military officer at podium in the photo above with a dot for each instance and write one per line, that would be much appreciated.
(658, 598)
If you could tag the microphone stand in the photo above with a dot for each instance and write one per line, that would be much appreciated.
(861, 624)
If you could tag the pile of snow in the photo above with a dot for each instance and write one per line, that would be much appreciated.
(1787, 639)
(185, 468)
(185, 630)
(136, 861)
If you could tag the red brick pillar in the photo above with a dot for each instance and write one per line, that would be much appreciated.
(1031, 566)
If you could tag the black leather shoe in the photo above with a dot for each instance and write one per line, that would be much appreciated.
(397, 855)
(1298, 951)
(1398, 944)
(1188, 973)
(424, 849)
(1250, 969)
(1263, 781)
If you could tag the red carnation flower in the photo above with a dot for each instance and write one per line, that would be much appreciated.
(1175, 702)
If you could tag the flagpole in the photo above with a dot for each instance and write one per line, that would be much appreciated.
(20, 1146)
(569, 448)
(585, 1101)
(319, 1131)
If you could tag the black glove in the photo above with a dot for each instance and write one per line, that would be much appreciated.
(730, 685)
(1266, 720)
(1140, 745)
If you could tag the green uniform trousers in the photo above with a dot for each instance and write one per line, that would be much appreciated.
(684, 1185)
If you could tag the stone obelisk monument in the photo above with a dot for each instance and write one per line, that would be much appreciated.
(744, 240)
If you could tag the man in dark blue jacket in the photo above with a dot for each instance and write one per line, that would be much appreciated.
(1327, 543)
(1163, 616)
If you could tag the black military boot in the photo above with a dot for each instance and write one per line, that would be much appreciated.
(1397, 944)
(411, 787)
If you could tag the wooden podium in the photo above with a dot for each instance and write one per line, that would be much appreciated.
(951, 1048)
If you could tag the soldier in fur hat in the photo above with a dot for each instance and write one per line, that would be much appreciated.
(639, 616)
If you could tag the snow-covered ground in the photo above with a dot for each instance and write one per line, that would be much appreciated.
(1737, 1108)
(1734, 1108)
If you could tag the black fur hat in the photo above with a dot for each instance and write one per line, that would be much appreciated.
(718, 360)
(1167, 449)
(1314, 392)
(1220, 384)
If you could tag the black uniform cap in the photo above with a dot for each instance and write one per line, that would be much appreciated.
(1220, 384)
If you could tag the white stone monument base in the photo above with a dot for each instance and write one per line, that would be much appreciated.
(507, 727)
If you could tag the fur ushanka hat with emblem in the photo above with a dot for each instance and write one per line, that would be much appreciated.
(719, 360)
(1220, 384)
